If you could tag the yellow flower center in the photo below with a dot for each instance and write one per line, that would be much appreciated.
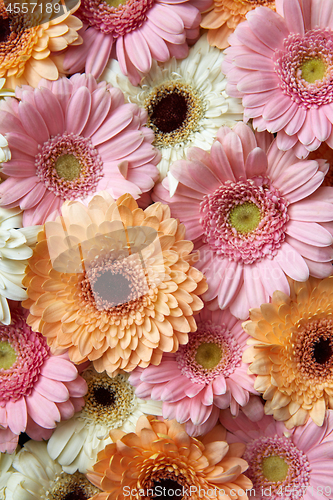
(313, 70)
(115, 3)
(7, 355)
(274, 468)
(68, 167)
(208, 355)
(245, 217)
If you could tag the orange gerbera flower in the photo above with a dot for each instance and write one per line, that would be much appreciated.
(113, 283)
(224, 15)
(161, 455)
(292, 352)
(28, 43)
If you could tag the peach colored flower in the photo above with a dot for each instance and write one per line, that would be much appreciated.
(161, 454)
(113, 283)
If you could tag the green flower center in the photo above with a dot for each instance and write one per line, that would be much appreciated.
(274, 468)
(115, 3)
(208, 355)
(7, 355)
(313, 70)
(68, 167)
(245, 217)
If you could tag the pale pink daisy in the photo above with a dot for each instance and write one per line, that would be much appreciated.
(138, 31)
(202, 376)
(281, 64)
(37, 389)
(70, 139)
(294, 465)
(255, 217)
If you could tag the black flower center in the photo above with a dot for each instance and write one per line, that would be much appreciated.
(104, 396)
(112, 288)
(5, 30)
(169, 113)
(76, 494)
(322, 351)
(168, 489)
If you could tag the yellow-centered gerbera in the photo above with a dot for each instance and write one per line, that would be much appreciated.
(113, 283)
(292, 352)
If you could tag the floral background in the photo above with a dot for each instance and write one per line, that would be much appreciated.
(166, 247)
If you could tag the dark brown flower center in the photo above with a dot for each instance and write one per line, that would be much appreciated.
(5, 30)
(76, 494)
(72, 487)
(167, 489)
(170, 112)
(322, 351)
(104, 396)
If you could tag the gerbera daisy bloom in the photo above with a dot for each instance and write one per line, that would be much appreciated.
(161, 454)
(37, 389)
(69, 139)
(28, 44)
(14, 252)
(281, 64)
(185, 100)
(139, 31)
(292, 352)
(4, 149)
(37, 477)
(203, 376)
(115, 284)
(224, 15)
(256, 217)
(282, 464)
(110, 403)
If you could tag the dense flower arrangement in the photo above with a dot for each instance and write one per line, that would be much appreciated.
(166, 248)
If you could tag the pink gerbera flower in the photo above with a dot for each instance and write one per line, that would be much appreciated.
(282, 464)
(69, 139)
(202, 376)
(256, 217)
(281, 63)
(37, 389)
(139, 31)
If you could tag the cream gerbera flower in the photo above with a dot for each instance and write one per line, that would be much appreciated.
(113, 283)
(110, 403)
(4, 149)
(14, 252)
(6, 470)
(185, 100)
(292, 352)
(29, 41)
(37, 477)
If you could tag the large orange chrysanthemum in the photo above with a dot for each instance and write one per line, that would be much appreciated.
(161, 455)
(224, 16)
(292, 352)
(113, 283)
(26, 49)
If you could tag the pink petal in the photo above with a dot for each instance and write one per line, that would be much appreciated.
(157, 45)
(311, 211)
(199, 413)
(307, 189)
(294, 17)
(182, 410)
(256, 163)
(315, 253)
(78, 111)
(42, 411)
(138, 50)
(66, 409)
(34, 197)
(246, 37)
(100, 105)
(272, 277)
(52, 390)
(17, 415)
(292, 263)
(33, 123)
(295, 176)
(77, 388)
(268, 27)
(296, 122)
(219, 385)
(319, 269)
(207, 396)
(166, 19)
(275, 108)
(220, 160)
(310, 233)
(59, 369)
(54, 120)
(22, 142)
(173, 391)
(12, 196)
(230, 283)
(255, 291)
(258, 81)
(8, 441)
(99, 53)
(165, 372)
(19, 168)
(284, 141)
(115, 122)
(234, 150)
(237, 392)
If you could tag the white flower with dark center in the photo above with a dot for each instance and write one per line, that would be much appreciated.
(109, 404)
(14, 252)
(185, 100)
(38, 477)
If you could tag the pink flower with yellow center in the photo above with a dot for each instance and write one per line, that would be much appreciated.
(256, 217)
(69, 139)
(281, 64)
(37, 389)
(138, 30)
(202, 376)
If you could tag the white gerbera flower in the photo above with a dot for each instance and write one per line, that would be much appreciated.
(14, 251)
(38, 477)
(6, 470)
(186, 101)
(109, 404)
(4, 149)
